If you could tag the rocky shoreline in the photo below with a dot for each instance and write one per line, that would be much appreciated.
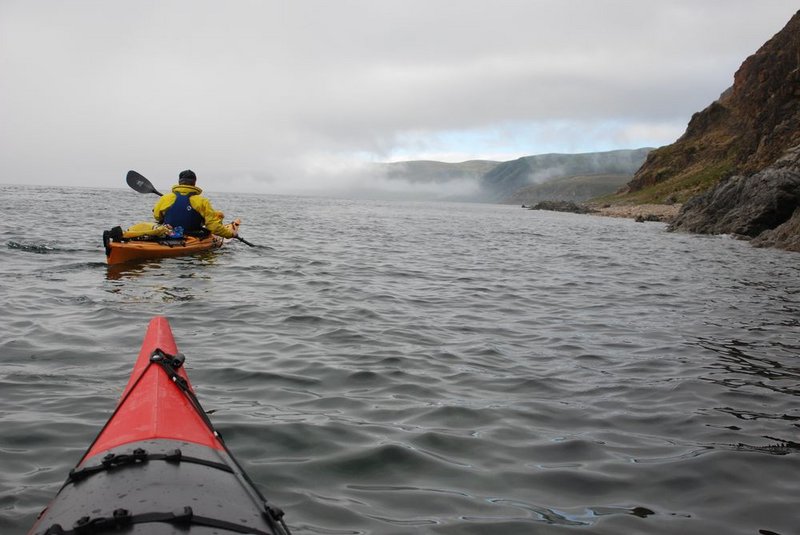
(738, 163)
(665, 213)
(641, 212)
(764, 206)
(785, 236)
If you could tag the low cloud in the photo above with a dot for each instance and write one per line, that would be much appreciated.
(296, 97)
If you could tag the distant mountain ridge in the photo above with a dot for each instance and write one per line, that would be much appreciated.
(506, 179)
(502, 181)
(576, 189)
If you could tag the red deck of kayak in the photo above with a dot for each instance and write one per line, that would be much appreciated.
(152, 406)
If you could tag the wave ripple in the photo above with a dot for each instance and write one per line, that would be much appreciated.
(393, 368)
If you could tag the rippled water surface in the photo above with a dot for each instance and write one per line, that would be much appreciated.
(391, 368)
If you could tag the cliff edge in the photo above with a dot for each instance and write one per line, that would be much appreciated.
(748, 128)
(737, 166)
(764, 206)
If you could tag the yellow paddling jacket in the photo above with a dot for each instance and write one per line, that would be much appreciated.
(201, 205)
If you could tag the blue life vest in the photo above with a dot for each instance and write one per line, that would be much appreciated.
(181, 214)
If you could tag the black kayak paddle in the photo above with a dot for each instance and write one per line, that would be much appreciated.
(139, 183)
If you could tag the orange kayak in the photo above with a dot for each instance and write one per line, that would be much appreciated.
(118, 252)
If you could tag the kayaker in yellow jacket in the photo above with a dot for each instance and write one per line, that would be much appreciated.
(185, 207)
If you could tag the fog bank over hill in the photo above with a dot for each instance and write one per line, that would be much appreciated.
(506, 179)
(268, 97)
(590, 174)
(576, 189)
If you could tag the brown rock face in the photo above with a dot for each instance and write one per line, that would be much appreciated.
(785, 236)
(748, 205)
(747, 129)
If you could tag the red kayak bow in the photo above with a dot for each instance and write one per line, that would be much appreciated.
(152, 408)
(158, 466)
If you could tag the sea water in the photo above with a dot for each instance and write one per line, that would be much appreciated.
(398, 367)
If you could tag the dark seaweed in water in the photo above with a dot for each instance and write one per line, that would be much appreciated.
(31, 247)
(779, 448)
(394, 368)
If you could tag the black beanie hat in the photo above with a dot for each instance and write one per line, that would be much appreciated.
(187, 177)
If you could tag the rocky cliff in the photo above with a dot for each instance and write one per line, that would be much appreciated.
(764, 205)
(748, 128)
(737, 165)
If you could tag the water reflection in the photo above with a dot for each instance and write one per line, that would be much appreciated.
(130, 269)
(754, 364)
(165, 280)
(585, 516)
(136, 269)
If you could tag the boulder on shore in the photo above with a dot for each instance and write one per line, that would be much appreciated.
(562, 206)
(785, 236)
(749, 205)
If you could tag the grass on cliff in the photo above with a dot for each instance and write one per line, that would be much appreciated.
(678, 189)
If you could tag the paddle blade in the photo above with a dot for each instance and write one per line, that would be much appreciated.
(140, 183)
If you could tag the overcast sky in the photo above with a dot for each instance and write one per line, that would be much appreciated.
(283, 96)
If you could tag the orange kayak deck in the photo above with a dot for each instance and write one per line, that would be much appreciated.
(133, 250)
